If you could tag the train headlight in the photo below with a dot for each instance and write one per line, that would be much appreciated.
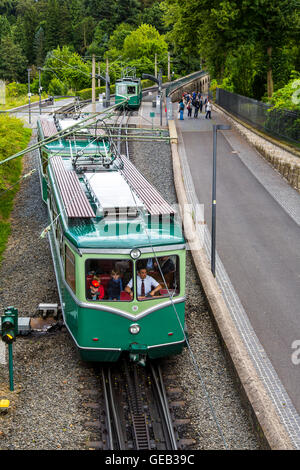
(134, 329)
(135, 253)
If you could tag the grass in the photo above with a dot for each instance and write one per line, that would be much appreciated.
(13, 138)
(14, 102)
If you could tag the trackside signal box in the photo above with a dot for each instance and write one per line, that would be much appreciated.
(9, 325)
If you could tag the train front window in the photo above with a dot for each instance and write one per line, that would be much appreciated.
(131, 90)
(122, 90)
(106, 279)
(157, 277)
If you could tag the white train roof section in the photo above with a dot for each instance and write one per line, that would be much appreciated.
(112, 192)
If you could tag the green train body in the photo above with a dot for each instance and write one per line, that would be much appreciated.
(130, 88)
(86, 247)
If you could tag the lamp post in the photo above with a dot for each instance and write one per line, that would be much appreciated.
(216, 127)
(158, 80)
(29, 95)
(40, 91)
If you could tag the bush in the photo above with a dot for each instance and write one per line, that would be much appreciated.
(56, 87)
(86, 94)
(15, 89)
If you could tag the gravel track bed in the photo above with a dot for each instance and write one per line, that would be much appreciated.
(47, 407)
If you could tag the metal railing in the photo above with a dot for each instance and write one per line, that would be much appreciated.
(277, 123)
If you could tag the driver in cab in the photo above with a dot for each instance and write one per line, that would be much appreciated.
(146, 285)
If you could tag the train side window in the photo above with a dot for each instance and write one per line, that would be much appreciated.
(131, 90)
(70, 268)
(107, 278)
(161, 271)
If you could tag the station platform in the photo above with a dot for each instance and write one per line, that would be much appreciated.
(258, 252)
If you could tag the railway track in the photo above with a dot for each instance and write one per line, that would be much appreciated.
(73, 108)
(136, 410)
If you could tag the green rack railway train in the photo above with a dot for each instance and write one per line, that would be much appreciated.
(118, 253)
(131, 88)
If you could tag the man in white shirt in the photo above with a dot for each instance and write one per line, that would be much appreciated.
(146, 285)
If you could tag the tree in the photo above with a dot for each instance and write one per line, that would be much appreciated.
(4, 26)
(153, 15)
(39, 46)
(145, 41)
(12, 60)
(217, 28)
(27, 13)
(68, 67)
(119, 35)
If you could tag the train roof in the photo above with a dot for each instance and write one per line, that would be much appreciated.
(110, 206)
(128, 80)
(91, 140)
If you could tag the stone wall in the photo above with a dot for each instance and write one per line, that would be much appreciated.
(200, 84)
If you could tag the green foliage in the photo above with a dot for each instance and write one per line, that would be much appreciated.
(15, 89)
(145, 41)
(244, 41)
(119, 35)
(12, 61)
(13, 137)
(57, 87)
(67, 67)
(288, 97)
(241, 68)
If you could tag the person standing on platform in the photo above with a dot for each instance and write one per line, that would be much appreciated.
(181, 109)
(201, 103)
(197, 106)
(189, 108)
(208, 109)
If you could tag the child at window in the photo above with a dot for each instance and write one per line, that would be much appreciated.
(114, 287)
(96, 291)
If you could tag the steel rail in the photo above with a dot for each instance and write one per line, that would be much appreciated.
(113, 422)
(107, 410)
(160, 388)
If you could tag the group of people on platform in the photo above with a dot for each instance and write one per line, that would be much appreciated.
(194, 101)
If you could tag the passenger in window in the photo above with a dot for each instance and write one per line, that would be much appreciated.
(115, 286)
(167, 265)
(150, 264)
(146, 285)
(96, 291)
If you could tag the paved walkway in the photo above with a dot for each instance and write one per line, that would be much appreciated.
(258, 244)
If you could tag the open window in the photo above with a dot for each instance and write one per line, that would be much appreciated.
(107, 278)
(162, 277)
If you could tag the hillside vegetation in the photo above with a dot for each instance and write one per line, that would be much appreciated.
(13, 138)
(249, 47)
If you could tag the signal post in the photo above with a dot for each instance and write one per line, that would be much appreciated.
(9, 331)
